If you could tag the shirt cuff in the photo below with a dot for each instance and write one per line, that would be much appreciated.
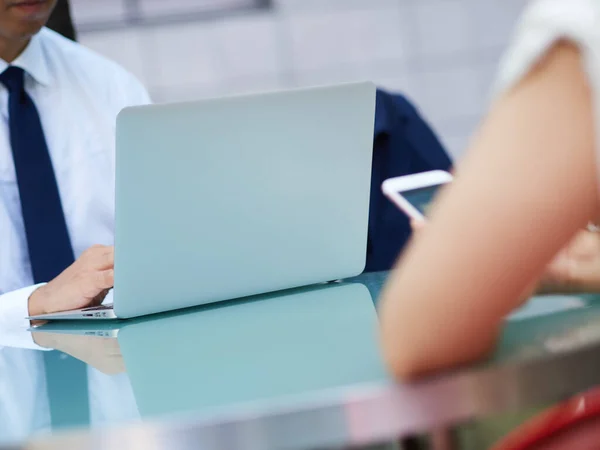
(14, 308)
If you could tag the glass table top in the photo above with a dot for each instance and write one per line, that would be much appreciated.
(276, 348)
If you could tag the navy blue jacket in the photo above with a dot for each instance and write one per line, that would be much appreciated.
(404, 144)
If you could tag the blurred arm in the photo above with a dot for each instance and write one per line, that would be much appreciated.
(527, 185)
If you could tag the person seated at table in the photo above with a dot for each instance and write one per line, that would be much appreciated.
(59, 104)
(527, 185)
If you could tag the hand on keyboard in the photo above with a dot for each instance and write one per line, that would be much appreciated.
(83, 284)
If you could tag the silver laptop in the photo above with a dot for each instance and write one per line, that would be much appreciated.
(232, 197)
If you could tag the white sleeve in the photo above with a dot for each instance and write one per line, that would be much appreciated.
(14, 307)
(545, 22)
(131, 92)
(138, 94)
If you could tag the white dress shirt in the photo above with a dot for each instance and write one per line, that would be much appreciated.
(78, 95)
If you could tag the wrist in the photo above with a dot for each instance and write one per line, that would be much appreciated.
(36, 303)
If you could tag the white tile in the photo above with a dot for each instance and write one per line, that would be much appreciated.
(455, 145)
(247, 46)
(333, 75)
(488, 73)
(401, 83)
(456, 133)
(441, 54)
(300, 6)
(443, 27)
(183, 55)
(453, 92)
(91, 11)
(122, 46)
(224, 88)
(406, 84)
(176, 7)
(495, 21)
(173, 94)
(346, 37)
(253, 85)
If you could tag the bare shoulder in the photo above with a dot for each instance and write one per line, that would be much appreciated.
(562, 63)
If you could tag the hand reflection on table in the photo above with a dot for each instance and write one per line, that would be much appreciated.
(101, 353)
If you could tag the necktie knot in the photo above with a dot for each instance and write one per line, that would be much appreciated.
(13, 79)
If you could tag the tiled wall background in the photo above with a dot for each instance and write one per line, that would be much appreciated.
(441, 53)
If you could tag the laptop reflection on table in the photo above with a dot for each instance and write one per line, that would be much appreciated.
(265, 348)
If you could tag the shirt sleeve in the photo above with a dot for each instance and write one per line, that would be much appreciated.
(545, 22)
(128, 91)
(14, 308)
(136, 94)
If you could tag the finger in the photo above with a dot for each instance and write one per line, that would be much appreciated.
(572, 275)
(93, 285)
(93, 250)
(559, 267)
(584, 275)
(584, 245)
(104, 279)
(102, 258)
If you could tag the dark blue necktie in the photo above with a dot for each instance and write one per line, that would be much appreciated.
(50, 250)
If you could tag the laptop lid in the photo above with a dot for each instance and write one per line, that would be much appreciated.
(226, 198)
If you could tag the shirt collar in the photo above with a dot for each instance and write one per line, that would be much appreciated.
(33, 61)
